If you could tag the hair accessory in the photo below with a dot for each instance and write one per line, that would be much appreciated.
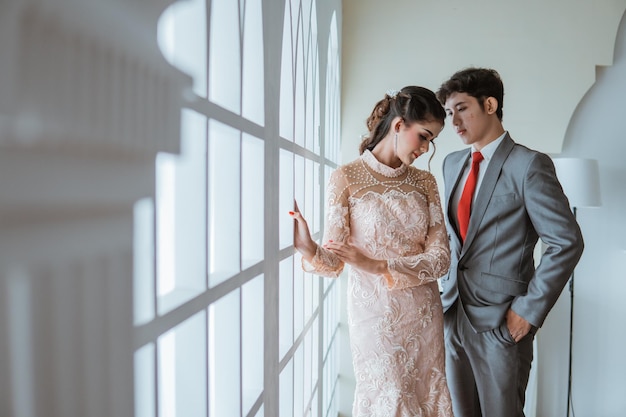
(392, 93)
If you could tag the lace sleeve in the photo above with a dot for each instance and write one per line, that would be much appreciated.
(337, 228)
(434, 262)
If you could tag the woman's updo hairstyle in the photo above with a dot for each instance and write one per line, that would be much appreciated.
(412, 104)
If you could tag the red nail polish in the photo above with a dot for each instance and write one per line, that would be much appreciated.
(292, 213)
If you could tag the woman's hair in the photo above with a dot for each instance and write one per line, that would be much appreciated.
(412, 104)
(480, 83)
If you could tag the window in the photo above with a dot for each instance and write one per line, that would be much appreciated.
(226, 321)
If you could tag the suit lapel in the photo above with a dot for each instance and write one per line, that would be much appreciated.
(455, 173)
(487, 187)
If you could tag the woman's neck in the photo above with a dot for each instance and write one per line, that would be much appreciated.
(385, 151)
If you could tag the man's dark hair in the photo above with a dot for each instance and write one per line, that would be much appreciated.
(480, 83)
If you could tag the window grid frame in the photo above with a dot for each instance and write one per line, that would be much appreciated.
(148, 333)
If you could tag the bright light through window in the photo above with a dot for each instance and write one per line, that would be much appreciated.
(227, 322)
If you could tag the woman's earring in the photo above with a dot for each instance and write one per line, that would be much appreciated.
(395, 144)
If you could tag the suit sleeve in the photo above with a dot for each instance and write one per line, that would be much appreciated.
(551, 216)
(434, 262)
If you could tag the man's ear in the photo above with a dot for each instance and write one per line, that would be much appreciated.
(491, 105)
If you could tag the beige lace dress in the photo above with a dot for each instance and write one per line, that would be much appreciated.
(396, 325)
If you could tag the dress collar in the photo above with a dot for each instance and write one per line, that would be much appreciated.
(371, 161)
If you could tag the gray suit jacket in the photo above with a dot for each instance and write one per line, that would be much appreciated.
(519, 201)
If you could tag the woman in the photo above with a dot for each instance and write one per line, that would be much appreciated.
(385, 221)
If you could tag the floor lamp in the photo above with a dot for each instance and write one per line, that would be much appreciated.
(581, 183)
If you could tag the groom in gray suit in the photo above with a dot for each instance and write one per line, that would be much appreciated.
(501, 197)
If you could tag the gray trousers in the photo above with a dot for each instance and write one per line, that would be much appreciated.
(487, 372)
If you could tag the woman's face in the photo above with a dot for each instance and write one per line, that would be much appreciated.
(414, 139)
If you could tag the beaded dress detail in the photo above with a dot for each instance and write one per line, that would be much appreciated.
(395, 322)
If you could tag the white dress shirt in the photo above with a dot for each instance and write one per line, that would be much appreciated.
(487, 152)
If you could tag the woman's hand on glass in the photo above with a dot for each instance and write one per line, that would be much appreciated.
(302, 236)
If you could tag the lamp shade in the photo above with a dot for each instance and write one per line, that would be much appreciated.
(580, 180)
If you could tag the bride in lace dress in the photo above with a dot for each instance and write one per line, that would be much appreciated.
(385, 221)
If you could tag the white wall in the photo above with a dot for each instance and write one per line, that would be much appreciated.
(547, 53)
(599, 364)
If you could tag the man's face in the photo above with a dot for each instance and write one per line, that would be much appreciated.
(469, 119)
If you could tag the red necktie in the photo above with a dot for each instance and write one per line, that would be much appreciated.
(465, 203)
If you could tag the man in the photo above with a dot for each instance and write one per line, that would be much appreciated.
(499, 202)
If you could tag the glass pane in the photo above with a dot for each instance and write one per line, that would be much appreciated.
(331, 311)
(316, 193)
(182, 369)
(182, 39)
(304, 181)
(143, 261)
(286, 78)
(286, 391)
(307, 362)
(313, 352)
(286, 197)
(332, 122)
(224, 356)
(300, 191)
(305, 8)
(224, 55)
(299, 97)
(298, 381)
(145, 398)
(167, 374)
(313, 408)
(298, 295)
(330, 345)
(252, 298)
(166, 222)
(285, 309)
(315, 291)
(191, 204)
(181, 216)
(224, 201)
(316, 147)
(252, 200)
(309, 98)
(331, 371)
(307, 301)
(313, 92)
(311, 294)
(253, 74)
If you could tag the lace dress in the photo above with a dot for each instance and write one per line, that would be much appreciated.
(395, 322)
